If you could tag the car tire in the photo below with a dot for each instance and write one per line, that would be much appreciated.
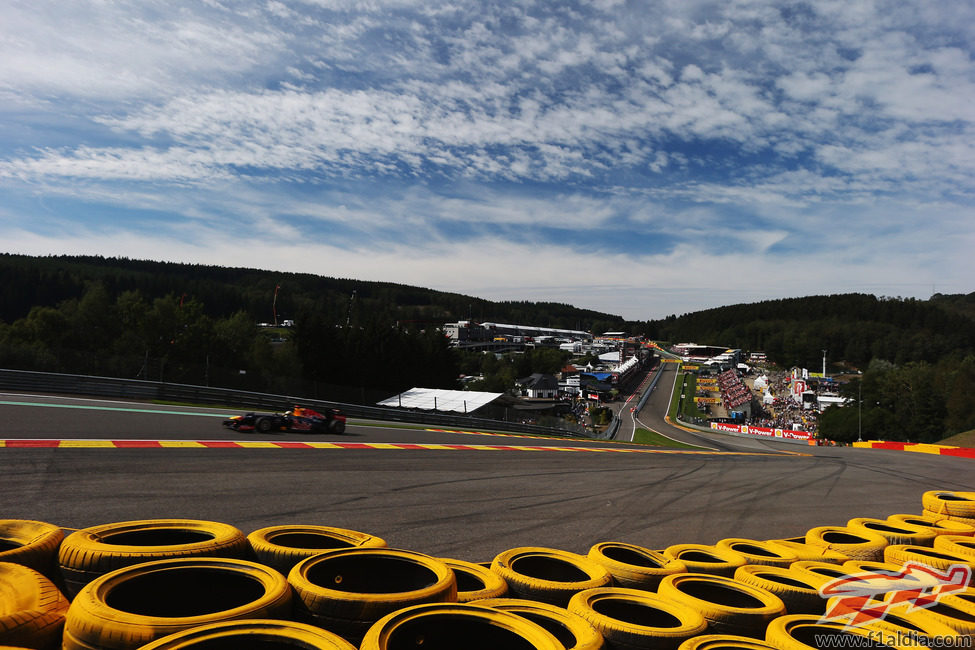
(282, 547)
(32, 608)
(757, 552)
(572, 631)
(902, 533)
(336, 427)
(91, 552)
(634, 618)
(547, 574)
(475, 582)
(859, 544)
(31, 543)
(950, 503)
(634, 566)
(263, 424)
(938, 524)
(347, 590)
(448, 626)
(704, 558)
(254, 634)
(138, 604)
(799, 592)
(957, 544)
(729, 606)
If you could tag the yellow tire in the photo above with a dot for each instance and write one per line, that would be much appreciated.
(282, 547)
(31, 543)
(634, 566)
(724, 642)
(901, 554)
(918, 626)
(253, 634)
(808, 632)
(347, 590)
(475, 581)
(449, 626)
(817, 570)
(807, 552)
(633, 618)
(32, 608)
(547, 574)
(91, 552)
(756, 552)
(572, 631)
(956, 613)
(729, 606)
(135, 605)
(705, 558)
(858, 544)
(956, 544)
(903, 533)
(951, 503)
(937, 524)
(856, 566)
(798, 592)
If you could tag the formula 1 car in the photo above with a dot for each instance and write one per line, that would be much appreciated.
(297, 419)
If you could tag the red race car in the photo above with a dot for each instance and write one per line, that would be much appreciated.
(297, 419)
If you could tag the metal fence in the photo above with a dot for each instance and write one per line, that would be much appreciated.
(45, 382)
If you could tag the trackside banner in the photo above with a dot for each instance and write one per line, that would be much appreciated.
(761, 431)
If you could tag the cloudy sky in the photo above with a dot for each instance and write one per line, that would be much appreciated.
(640, 158)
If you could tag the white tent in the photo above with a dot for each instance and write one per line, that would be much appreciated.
(438, 399)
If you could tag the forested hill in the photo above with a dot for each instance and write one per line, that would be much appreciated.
(853, 327)
(27, 282)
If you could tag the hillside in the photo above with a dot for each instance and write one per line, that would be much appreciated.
(27, 282)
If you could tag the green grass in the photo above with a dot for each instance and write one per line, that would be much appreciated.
(964, 439)
(647, 437)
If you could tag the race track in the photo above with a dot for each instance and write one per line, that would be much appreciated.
(465, 495)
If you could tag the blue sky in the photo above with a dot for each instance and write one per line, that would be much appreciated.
(639, 158)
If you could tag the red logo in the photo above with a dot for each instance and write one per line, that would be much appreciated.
(865, 597)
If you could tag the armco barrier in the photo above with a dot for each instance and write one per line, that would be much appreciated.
(44, 382)
(917, 447)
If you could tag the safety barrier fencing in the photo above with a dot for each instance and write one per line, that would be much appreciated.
(918, 447)
(44, 382)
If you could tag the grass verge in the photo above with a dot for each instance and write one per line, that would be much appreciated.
(647, 437)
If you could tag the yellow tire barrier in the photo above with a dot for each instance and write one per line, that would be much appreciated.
(954, 612)
(282, 547)
(806, 552)
(917, 626)
(347, 590)
(572, 631)
(953, 504)
(900, 554)
(450, 626)
(32, 608)
(91, 552)
(756, 552)
(956, 544)
(31, 543)
(860, 566)
(136, 605)
(968, 521)
(858, 544)
(808, 632)
(729, 606)
(903, 533)
(475, 581)
(799, 592)
(724, 642)
(549, 575)
(937, 524)
(816, 571)
(635, 566)
(253, 634)
(633, 618)
(704, 558)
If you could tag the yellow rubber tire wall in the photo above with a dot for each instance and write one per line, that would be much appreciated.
(91, 552)
(253, 634)
(347, 590)
(730, 607)
(547, 574)
(633, 618)
(282, 547)
(452, 626)
(32, 609)
(31, 543)
(858, 544)
(634, 566)
(136, 605)
(756, 552)
(572, 631)
(475, 581)
(799, 592)
(706, 558)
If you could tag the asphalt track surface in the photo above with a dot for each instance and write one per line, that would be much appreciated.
(449, 494)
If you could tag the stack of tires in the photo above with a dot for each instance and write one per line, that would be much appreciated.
(170, 583)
